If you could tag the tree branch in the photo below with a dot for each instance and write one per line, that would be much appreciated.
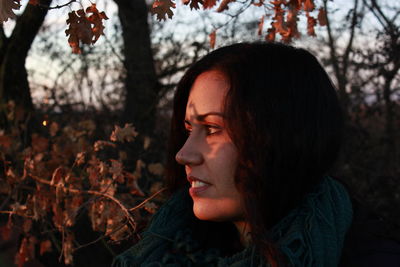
(131, 221)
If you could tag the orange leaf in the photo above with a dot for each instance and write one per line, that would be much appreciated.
(260, 26)
(309, 5)
(209, 3)
(45, 246)
(212, 37)
(322, 17)
(96, 19)
(161, 8)
(126, 134)
(311, 21)
(271, 35)
(224, 5)
(79, 30)
(260, 3)
(5, 141)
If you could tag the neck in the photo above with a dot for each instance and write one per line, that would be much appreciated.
(244, 232)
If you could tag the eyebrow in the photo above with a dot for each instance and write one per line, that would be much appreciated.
(202, 117)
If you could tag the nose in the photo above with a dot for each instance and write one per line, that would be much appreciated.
(189, 154)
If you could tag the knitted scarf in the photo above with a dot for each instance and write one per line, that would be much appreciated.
(310, 235)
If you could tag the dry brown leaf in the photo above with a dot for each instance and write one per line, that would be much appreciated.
(322, 17)
(156, 168)
(309, 5)
(260, 3)
(126, 134)
(161, 8)
(260, 26)
(45, 246)
(224, 5)
(5, 141)
(79, 30)
(97, 20)
(212, 37)
(209, 3)
(116, 171)
(311, 21)
(193, 3)
(6, 9)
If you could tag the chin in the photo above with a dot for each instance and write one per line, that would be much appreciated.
(203, 210)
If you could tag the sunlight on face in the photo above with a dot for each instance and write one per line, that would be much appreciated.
(209, 156)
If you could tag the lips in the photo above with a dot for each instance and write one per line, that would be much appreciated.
(197, 186)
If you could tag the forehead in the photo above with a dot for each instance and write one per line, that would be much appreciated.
(207, 93)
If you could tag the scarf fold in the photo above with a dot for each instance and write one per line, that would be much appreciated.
(310, 235)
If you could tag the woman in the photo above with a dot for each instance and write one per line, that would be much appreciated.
(255, 130)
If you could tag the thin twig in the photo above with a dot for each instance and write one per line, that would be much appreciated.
(147, 200)
(58, 6)
(92, 192)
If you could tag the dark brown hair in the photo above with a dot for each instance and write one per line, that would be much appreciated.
(284, 117)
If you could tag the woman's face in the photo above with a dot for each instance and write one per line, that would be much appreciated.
(209, 156)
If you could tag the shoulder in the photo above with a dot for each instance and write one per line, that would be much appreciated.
(370, 241)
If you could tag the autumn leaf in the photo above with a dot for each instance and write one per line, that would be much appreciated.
(6, 9)
(260, 3)
(5, 141)
(79, 30)
(322, 17)
(45, 246)
(68, 248)
(100, 144)
(161, 8)
(212, 37)
(224, 5)
(116, 171)
(96, 19)
(311, 21)
(193, 3)
(209, 3)
(260, 26)
(309, 5)
(126, 134)
(150, 207)
(156, 168)
(271, 34)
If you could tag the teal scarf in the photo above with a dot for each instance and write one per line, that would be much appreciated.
(311, 235)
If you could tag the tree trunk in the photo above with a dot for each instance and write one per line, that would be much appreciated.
(14, 84)
(141, 80)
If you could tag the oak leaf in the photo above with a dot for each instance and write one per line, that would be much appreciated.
(161, 8)
(311, 21)
(322, 17)
(224, 5)
(193, 3)
(209, 3)
(6, 9)
(79, 31)
(126, 134)
(45, 246)
(156, 168)
(97, 20)
(309, 5)
(212, 37)
(260, 26)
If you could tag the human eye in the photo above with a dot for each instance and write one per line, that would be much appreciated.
(212, 129)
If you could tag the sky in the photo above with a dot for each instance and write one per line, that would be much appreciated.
(44, 68)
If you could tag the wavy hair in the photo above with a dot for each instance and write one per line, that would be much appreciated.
(282, 114)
